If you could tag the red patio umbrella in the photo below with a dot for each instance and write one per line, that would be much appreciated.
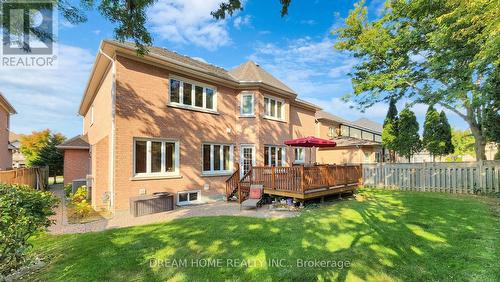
(310, 142)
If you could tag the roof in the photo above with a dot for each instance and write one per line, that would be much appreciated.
(165, 53)
(362, 123)
(252, 72)
(6, 105)
(14, 136)
(370, 124)
(77, 142)
(345, 141)
(328, 116)
(246, 76)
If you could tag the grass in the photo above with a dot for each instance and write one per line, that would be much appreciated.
(384, 235)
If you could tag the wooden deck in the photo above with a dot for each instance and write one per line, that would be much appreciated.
(297, 182)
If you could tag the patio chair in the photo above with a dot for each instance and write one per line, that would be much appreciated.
(255, 198)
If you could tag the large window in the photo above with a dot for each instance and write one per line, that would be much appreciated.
(217, 158)
(274, 155)
(191, 94)
(247, 104)
(273, 108)
(156, 157)
(300, 157)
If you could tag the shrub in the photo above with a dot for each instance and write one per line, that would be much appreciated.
(68, 189)
(82, 209)
(79, 195)
(79, 201)
(24, 212)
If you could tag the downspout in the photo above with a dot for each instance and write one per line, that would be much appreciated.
(111, 180)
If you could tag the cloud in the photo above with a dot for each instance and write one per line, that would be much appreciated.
(319, 74)
(308, 22)
(240, 22)
(264, 32)
(49, 98)
(189, 22)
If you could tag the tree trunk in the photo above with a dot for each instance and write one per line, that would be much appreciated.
(480, 143)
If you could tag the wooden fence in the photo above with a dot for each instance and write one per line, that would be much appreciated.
(465, 178)
(36, 177)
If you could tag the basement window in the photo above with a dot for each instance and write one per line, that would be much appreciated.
(188, 197)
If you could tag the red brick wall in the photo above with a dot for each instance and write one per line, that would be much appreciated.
(76, 164)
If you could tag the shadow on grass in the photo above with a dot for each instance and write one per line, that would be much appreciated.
(384, 235)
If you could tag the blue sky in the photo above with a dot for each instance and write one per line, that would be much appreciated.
(296, 49)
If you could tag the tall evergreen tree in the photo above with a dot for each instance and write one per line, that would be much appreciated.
(408, 140)
(390, 129)
(447, 144)
(430, 139)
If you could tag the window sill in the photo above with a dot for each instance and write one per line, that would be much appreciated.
(208, 174)
(155, 177)
(194, 109)
(246, 116)
(275, 119)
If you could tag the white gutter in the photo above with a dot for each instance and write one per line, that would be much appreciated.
(111, 180)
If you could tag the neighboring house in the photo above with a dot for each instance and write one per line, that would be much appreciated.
(18, 159)
(167, 122)
(425, 157)
(6, 110)
(76, 158)
(359, 141)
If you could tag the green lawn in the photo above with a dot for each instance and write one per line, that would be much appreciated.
(386, 236)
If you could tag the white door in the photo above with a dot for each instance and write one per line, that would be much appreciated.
(247, 158)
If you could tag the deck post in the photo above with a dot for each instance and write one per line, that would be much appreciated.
(302, 179)
(273, 177)
(345, 174)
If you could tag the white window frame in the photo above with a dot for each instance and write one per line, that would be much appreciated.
(302, 156)
(163, 171)
(221, 159)
(188, 202)
(283, 154)
(180, 104)
(267, 108)
(242, 99)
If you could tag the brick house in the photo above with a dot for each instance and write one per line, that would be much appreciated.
(6, 110)
(357, 141)
(76, 158)
(167, 122)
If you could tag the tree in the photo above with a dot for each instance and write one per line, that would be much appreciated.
(463, 144)
(446, 145)
(441, 51)
(40, 149)
(431, 138)
(437, 133)
(390, 131)
(408, 140)
(230, 6)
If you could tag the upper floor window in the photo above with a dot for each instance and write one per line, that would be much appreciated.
(332, 131)
(344, 130)
(274, 155)
(154, 157)
(300, 157)
(273, 108)
(217, 158)
(192, 94)
(247, 107)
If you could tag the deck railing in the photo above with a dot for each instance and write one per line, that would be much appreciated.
(232, 183)
(300, 179)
